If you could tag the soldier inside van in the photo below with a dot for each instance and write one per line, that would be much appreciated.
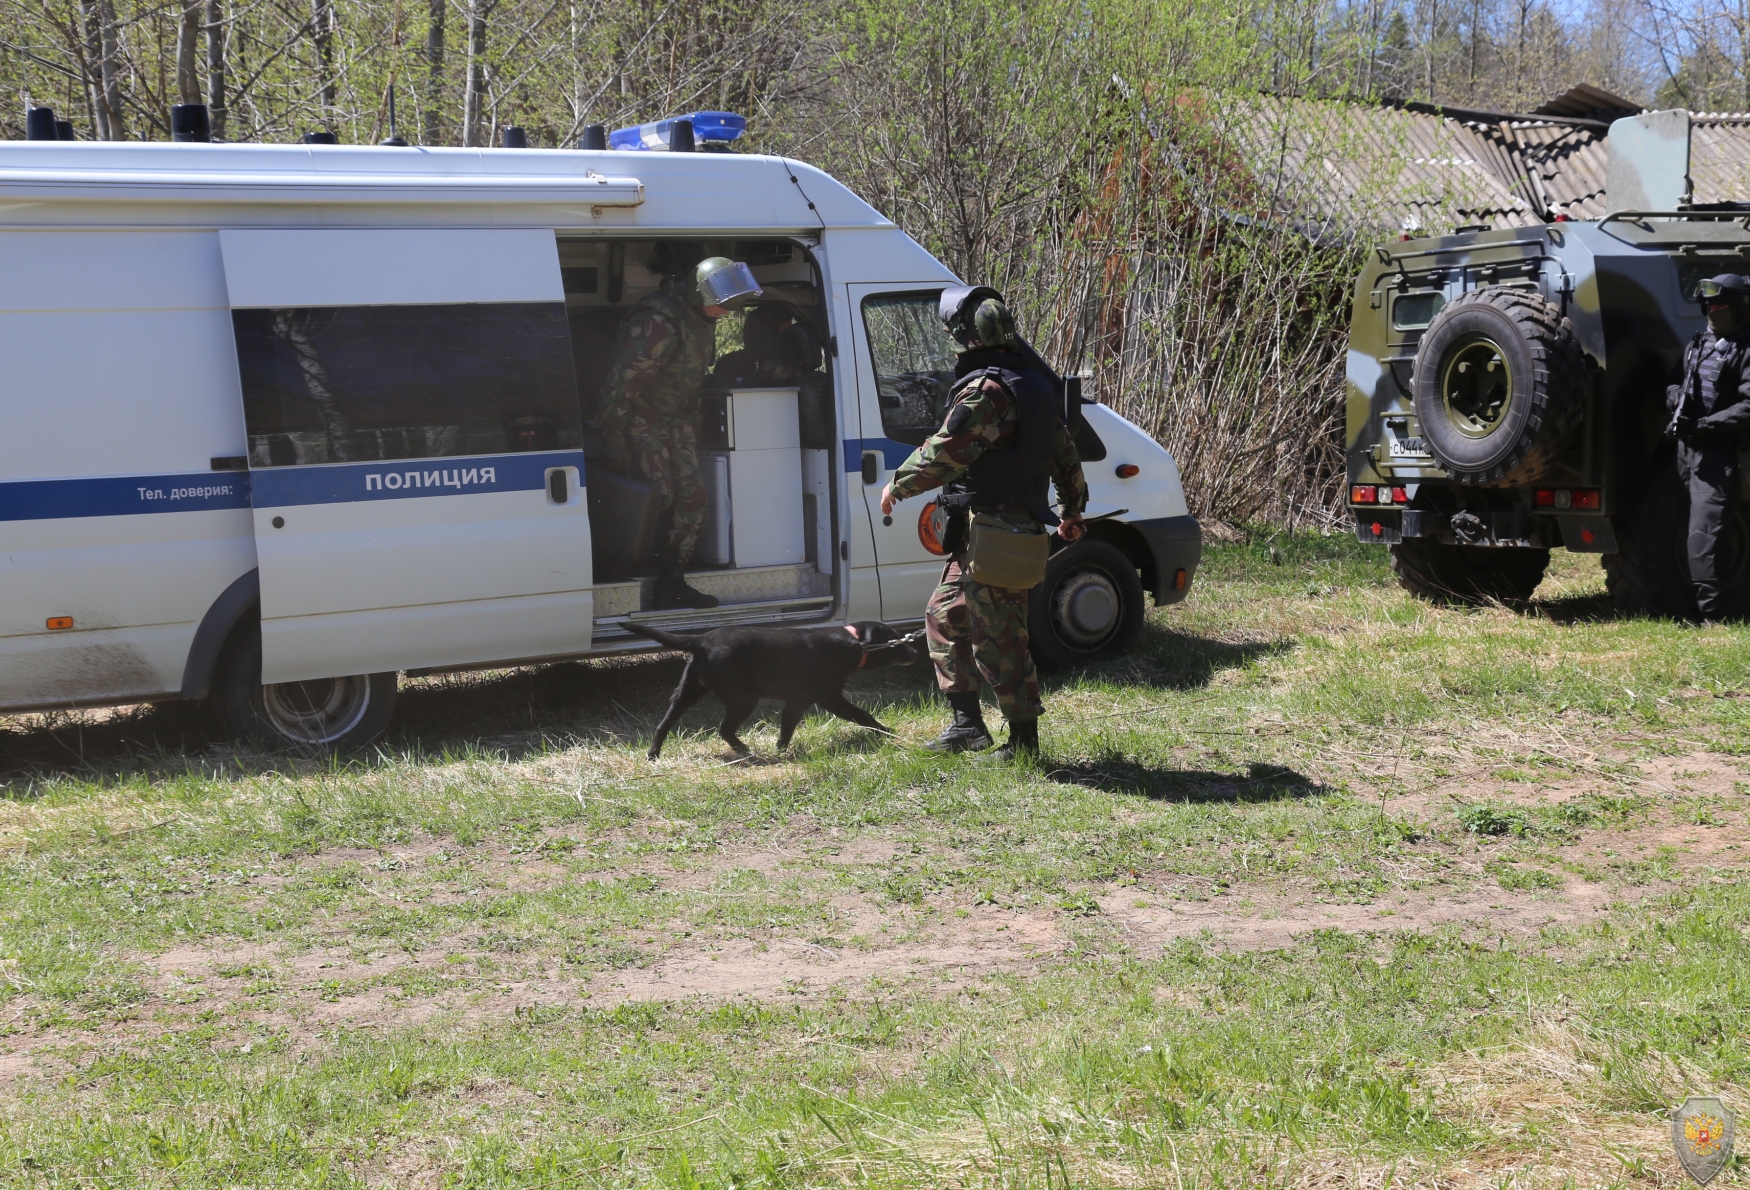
(800, 346)
(1711, 421)
(650, 407)
(532, 431)
(760, 359)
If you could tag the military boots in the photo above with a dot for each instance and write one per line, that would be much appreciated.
(967, 733)
(671, 591)
(1023, 740)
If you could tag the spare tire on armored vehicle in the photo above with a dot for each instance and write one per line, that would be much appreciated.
(1500, 385)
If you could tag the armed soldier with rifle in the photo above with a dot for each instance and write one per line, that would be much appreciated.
(1710, 417)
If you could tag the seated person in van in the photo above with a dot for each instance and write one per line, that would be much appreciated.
(760, 360)
(650, 407)
(532, 431)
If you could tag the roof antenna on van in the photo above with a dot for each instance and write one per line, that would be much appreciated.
(393, 140)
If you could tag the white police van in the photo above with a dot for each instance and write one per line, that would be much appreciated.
(283, 422)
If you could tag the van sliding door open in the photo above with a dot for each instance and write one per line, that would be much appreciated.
(415, 448)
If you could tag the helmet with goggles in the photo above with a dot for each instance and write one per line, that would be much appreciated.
(1727, 287)
(719, 281)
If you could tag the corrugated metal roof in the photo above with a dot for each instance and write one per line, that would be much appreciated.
(1719, 156)
(1348, 169)
(1360, 168)
(1588, 102)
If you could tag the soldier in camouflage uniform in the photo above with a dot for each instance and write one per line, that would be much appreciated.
(650, 409)
(977, 632)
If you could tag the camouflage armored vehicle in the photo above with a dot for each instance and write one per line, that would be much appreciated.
(1506, 389)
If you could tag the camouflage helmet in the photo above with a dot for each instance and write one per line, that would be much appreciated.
(977, 317)
(719, 281)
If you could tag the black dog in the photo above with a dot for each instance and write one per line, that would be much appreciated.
(799, 666)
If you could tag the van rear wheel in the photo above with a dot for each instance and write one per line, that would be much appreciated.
(331, 714)
(1088, 607)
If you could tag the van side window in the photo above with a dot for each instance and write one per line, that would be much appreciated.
(914, 363)
(360, 383)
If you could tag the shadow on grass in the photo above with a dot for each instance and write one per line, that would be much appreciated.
(1171, 660)
(516, 713)
(1577, 609)
(1261, 783)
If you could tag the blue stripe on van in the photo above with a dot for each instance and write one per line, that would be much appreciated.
(341, 483)
(122, 495)
(892, 453)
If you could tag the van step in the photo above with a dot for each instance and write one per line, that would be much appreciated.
(610, 631)
(753, 585)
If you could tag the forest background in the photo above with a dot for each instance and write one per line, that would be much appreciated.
(1088, 157)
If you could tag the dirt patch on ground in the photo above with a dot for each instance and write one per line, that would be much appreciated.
(1688, 823)
(952, 950)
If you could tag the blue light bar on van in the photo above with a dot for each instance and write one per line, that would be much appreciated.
(708, 128)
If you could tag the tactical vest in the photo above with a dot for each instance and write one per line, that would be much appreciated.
(1018, 472)
(673, 392)
(1721, 358)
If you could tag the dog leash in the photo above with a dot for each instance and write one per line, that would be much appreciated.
(910, 638)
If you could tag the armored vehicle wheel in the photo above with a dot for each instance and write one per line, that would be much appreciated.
(1471, 574)
(1088, 607)
(1650, 576)
(1500, 385)
(330, 714)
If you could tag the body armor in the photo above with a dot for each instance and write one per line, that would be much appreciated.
(1019, 471)
(1723, 358)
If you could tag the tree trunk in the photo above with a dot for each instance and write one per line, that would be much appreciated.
(216, 67)
(94, 69)
(434, 58)
(188, 32)
(109, 40)
(474, 94)
(322, 27)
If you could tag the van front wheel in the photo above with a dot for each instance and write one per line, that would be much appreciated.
(1088, 607)
(332, 714)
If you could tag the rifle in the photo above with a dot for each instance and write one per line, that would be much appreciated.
(1681, 418)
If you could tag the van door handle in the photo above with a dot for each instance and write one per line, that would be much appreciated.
(558, 490)
(871, 466)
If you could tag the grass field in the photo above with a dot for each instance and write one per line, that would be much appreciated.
(1319, 887)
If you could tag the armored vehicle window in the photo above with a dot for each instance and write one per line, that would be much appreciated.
(1414, 311)
(914, 363)
(356, 383)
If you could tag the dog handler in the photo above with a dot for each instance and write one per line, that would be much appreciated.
(1002, 442)
(650, 412)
